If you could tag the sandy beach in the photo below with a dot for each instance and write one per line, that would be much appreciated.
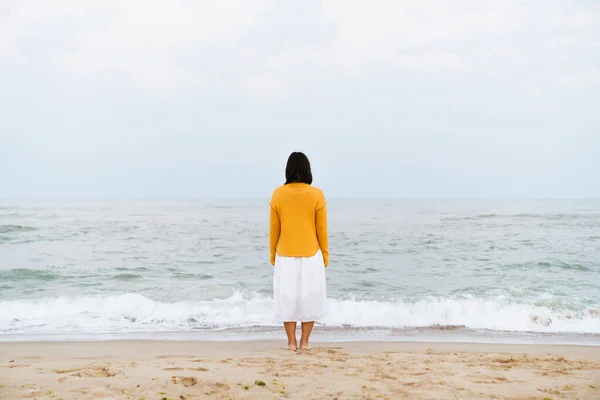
(263, 370)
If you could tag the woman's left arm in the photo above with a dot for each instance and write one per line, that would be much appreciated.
(274, 231)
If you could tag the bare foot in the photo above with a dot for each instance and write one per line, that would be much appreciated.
(304, 346)
(292, 347)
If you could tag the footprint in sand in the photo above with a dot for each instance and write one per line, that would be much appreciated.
(487, 379)
(201, 369)
(385, 376)
(66, 371)
(173, 356)
(210, 388)
(186, 381)
(94, 373)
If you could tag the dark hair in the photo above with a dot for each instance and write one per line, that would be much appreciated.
(298, 169)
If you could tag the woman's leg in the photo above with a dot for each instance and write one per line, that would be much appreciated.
(307, 328)
(290, 330)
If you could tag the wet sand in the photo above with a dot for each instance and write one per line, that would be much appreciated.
(172, 370)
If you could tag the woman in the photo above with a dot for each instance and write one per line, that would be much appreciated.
(299, 250)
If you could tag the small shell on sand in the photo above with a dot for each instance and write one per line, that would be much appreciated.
(594, 312)
(545, 321)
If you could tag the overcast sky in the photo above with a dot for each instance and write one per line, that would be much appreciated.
(180, 99)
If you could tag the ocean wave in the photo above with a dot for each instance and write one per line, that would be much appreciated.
(564, 265)
(18, 274)
(136, 313)
(535, 216)
(15, 228)
(126, 277)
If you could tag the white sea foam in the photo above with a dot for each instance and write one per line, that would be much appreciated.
(136, 313)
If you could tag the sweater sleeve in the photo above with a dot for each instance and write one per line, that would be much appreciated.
(274, 231)
(321, 225)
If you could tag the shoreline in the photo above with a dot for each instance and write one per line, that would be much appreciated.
(175, 370)
(322, 336)
(259, 345)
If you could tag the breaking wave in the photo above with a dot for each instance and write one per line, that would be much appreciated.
(136, 313)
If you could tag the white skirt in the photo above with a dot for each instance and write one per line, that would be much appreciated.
(299, 288)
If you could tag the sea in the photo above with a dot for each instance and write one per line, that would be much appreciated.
(502, 271)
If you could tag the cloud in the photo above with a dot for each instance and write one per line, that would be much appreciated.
(144, 42)
(268, 48)
(449, 90)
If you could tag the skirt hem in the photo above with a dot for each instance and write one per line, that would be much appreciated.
(304, 319)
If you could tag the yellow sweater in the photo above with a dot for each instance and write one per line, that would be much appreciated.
(298, 225)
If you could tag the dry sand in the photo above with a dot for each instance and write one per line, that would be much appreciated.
(154, 370)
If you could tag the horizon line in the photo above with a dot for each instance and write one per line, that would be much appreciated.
(217, 198)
